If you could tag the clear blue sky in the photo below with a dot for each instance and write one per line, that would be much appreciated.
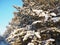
(6, 12)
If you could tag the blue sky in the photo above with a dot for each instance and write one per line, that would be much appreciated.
(6, 12)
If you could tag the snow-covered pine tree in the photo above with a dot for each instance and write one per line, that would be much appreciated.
(37, 22)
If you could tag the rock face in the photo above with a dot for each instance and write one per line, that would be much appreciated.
(37, 22)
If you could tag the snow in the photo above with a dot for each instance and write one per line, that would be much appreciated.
(37, 34)
(37, 11)
(30, 34)
(51, 39)
(52, 14)
(55, 19)
(36, 22)
(30, 44)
